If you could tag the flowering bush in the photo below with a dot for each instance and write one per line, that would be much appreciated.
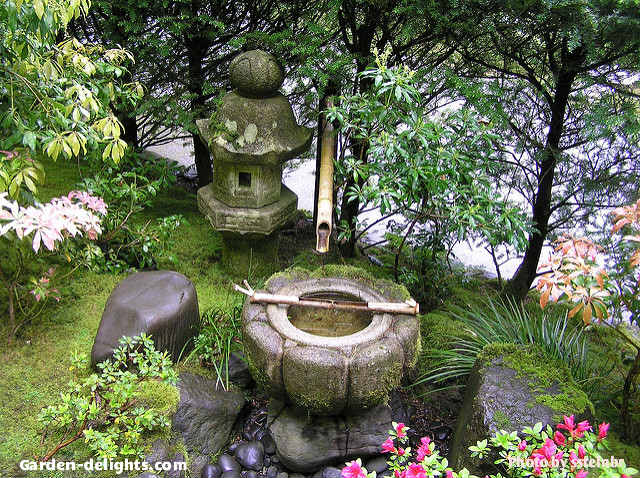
(26, 233)
(427, 461)
(569, 451)
(575, 275)
(566, 452)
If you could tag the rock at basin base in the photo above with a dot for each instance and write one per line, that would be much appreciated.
(500, 396)
(204, 418)
(305, 443)
(162, 304)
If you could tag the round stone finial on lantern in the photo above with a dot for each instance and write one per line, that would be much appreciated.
(256, 74)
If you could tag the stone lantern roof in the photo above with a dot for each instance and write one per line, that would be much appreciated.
(257, 120)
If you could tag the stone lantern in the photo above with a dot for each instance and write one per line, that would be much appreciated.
(251, 135)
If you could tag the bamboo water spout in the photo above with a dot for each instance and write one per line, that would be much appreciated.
(325, 186)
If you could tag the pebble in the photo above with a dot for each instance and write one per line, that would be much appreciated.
(147, 474)
(250, 455)
(250, 474)
(272, 471)
(227, 463)
(282, 474)
(297, 475)
(332, 472)
(267, 461)
(275, 459)
(443, 433)
(231, 474)
(233, 446)
(211, 471)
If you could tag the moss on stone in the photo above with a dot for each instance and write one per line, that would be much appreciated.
(503, 422)
(389, 380)
(544, 374)
(260, 377)
(389, 289)
(160, 396)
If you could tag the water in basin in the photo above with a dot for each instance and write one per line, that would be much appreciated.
(329, 322)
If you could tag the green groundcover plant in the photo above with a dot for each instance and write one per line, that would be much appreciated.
(104, 409)
(567, 452)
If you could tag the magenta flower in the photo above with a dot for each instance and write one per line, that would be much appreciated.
(569, 424)
(415, 470)
(547, 452)
(401, 451)
(388, 446)
(573, 459)
(559, 438)
(582, 474)
(581, 428)
(449, 474)
(581, 452)
(522, 446)
(425, 441)
(401, 430)
(422, 452)
(354, 470)
(603, 428)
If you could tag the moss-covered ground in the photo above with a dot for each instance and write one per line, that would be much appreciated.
(36, 369)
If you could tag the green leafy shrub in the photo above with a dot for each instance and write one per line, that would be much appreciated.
(507, 322)
(125, 242)
(106, 407)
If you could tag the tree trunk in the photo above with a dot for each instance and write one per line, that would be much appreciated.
(519, 285)
(130, 123)
(197, 47)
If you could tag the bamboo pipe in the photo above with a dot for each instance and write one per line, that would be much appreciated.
(410, 307)
(325, 185)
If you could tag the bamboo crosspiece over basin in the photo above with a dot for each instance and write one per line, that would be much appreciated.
(410, 307)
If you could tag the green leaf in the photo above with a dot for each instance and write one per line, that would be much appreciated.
(29, 140)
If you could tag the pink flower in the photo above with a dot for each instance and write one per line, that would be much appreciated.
(401, 451)
(401, 430)
(581, 474)
(603, 428)
(354, 470)
(449, 474)
(522, 446)
(415, 470)
(581, 452)
(537, 471)
(573, 459)
(559, 438)
(569, 423)
(581, 428)
(547, 452)
(425, 441)
(388, 447)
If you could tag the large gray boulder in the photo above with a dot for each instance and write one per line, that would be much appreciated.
(162, 304)
(305, 442)
(509, 388)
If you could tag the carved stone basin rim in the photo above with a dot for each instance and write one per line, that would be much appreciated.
(280, 322)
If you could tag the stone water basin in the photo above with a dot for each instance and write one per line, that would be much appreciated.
(329, 361)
